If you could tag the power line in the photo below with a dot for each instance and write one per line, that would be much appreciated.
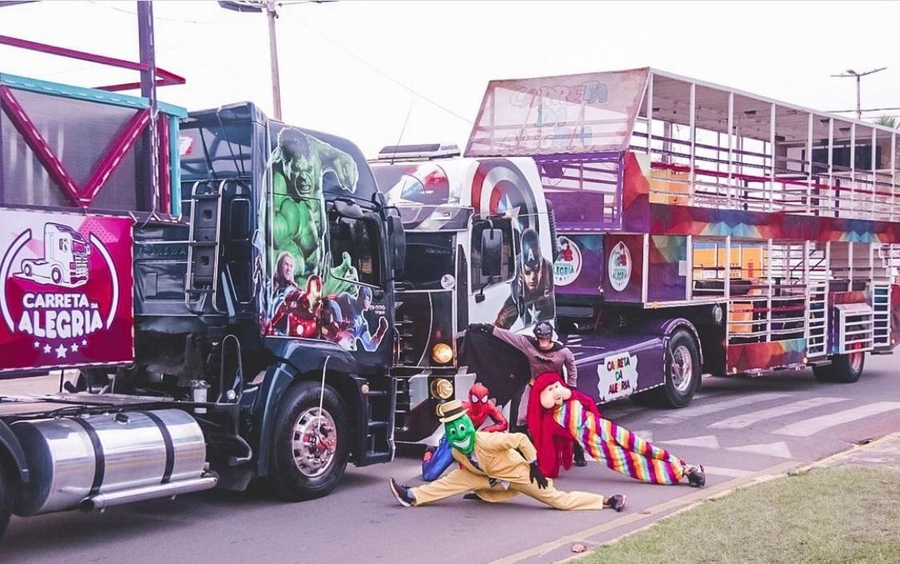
(130, 13)
(384, 74)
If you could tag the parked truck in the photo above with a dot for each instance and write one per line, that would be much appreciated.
(479, 249)
(705, 230)
(225, 298)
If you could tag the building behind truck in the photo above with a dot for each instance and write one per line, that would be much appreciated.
(233, 320)
(705, 230)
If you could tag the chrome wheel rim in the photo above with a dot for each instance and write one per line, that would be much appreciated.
(314, 442)
(682, 368)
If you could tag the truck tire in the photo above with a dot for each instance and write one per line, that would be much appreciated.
(682, 373)
(6, 498)
(844, 368)
(309, 452)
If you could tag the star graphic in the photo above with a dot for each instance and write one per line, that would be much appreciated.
(47, 349)
(84, 342)
(74, 347)
(37, 345)
(532, 313)
(60, 352)
(505, 207)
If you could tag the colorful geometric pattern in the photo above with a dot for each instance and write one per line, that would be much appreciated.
(744, 357)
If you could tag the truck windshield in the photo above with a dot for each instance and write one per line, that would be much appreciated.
(429, 256)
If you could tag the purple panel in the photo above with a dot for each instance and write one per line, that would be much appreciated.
(665, 283)
(612, 366)
(579, 269)
(623, 267)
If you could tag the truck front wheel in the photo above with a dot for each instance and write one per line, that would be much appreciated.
(682, 374)
(310, 447)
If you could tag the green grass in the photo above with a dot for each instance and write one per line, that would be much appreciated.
(825, 516)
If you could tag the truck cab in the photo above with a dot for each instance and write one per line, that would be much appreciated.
(479, 249)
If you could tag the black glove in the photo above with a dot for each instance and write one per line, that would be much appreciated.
(537, 476)
(481, 328)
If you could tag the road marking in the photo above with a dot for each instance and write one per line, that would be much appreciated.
(779, 449)
(812, 426)
(742, 421)
(689, 413)
(706, 441)
(719, 471)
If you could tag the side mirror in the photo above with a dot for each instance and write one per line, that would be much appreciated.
(397, 237)
(491, 252)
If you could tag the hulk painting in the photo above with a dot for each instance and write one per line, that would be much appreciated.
(299, 163)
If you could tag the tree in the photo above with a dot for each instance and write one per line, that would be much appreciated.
(888, 121)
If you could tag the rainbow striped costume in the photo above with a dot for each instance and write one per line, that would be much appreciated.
(619, 448)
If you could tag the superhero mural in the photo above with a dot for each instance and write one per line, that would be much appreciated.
(65, 299)
(500, 187)
(310, 294)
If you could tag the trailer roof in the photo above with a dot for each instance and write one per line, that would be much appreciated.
(597, 112)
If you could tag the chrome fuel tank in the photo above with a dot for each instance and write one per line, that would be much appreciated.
(72, 458)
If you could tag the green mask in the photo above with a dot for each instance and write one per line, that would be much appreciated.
(461, 434)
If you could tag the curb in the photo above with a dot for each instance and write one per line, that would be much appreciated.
(686, 503)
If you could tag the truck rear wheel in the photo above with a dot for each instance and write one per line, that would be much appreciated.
(844, 368)
(309, 448)
(6, 498)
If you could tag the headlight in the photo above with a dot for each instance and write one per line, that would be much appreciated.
(442, 353)
(442, 389)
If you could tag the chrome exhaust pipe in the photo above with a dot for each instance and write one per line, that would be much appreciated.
(100, 502)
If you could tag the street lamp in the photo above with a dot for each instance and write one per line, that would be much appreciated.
(858, 75)
(270, 7)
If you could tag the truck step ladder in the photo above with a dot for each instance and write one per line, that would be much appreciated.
(201, 282)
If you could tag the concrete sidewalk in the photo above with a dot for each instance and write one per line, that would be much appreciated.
(878, 452)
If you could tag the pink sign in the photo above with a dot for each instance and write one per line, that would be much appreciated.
(65, 291)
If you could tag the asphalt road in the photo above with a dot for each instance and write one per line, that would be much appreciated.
(741, 430)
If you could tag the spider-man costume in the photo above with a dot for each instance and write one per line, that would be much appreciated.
(479, 408)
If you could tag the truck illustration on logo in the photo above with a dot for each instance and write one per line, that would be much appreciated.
(65, 260)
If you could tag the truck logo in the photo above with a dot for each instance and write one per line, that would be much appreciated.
(619, 267)
(568, 266)
(48, 300)
(65, 260)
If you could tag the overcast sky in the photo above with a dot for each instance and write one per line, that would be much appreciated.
(363, 68)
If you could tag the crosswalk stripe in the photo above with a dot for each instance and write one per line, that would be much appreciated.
(745, 420)
(700, 410)
(718, 471)
(706, 441)
(779, 449)
(812, 426)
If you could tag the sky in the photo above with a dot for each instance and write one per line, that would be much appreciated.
(414, 71)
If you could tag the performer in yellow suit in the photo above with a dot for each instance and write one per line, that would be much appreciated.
(497, 467)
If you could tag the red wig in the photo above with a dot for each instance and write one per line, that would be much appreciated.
(554, 446)
(552, 441)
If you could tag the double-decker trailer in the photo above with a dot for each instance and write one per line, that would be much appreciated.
(705, 230)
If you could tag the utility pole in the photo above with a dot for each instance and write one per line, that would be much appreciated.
(270, 7)
(858, 75)
(273, 59)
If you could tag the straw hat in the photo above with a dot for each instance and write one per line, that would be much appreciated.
(450, 411)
